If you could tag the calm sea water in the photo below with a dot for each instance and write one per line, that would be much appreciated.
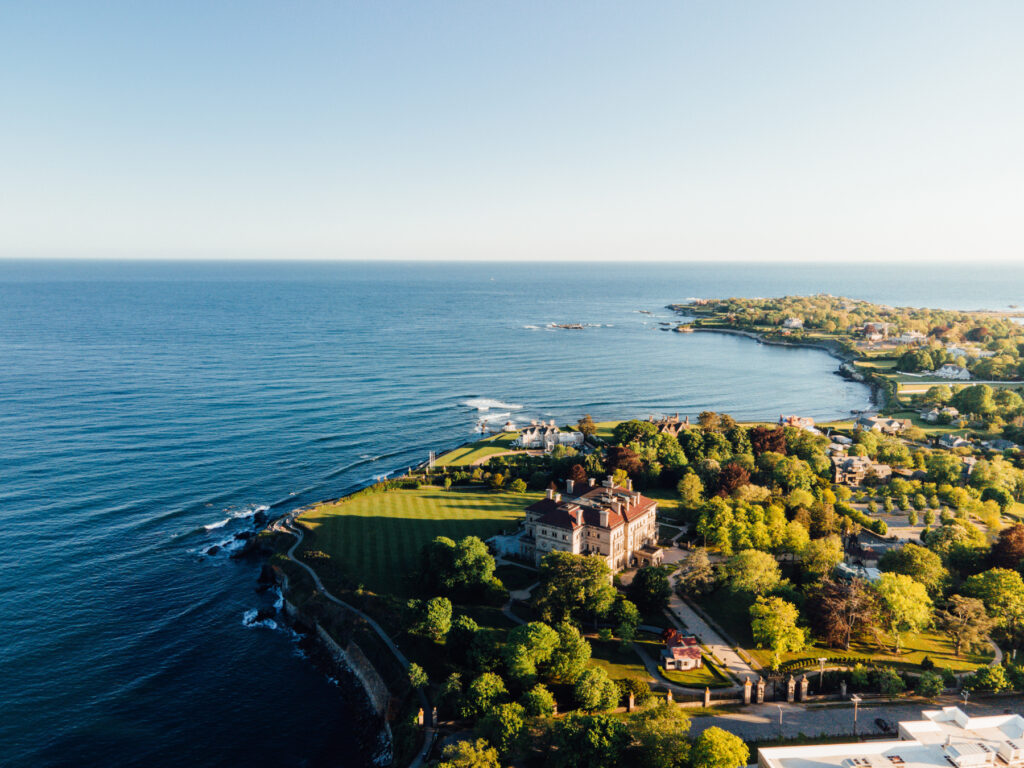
(147, 410)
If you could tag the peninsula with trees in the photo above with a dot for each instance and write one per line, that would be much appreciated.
(595, 593)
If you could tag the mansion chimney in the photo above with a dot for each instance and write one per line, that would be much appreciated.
(569, 484)
(604, 517)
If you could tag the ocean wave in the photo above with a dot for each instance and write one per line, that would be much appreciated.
(486, 404)
(251, 619)
(218, 524)
(531, 327)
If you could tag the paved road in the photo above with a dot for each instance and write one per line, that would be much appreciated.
(761, 722)
(685, 615)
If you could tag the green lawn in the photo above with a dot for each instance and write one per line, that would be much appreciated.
(618, 660)
(376, 538)
(732, 614)
(705, 676)
(465, 455)
(514, 577)
(605, 429)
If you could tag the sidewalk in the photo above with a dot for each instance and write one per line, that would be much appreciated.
(685, 615)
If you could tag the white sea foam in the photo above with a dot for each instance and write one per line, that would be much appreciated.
(218, 524)
(486, 404)
(249, 510)
(496, 416)
(531, 327)
(249, 620)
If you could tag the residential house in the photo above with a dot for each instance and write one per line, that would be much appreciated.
(1001, 445)
(953, 372)
(671, 425)
(608, 521)
(800, 422)
(911, 337)
(849, 572)
(884, 425)
(953, 441)
(682, 652)
(935, 415)
(793, 322)
(853, 470)
(882, 330)
(546, 436)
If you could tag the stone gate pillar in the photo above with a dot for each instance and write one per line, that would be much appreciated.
(802, 693)
(760, 690)
(707, 697)
(746, 690)
(790, 689)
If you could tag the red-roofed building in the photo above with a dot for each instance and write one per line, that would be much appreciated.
(682, 653)
(618, 524)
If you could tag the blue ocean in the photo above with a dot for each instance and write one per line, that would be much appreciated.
(149, 410)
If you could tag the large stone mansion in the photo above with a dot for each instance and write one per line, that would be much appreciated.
(609, 521)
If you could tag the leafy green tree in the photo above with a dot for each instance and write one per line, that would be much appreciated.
(483, 693)
(467, 754)
(989, 679)
(1002, 592)
(929, 685)
(570, 657)
(660, 733)
(418, 676)
(773, 623)
(698, 576)
(538, 701)
(906, 606)
(716, 748)
(517, 486)
(572, 586)
(503, 727)
(752, 571)
(939, 394)
(529, 646)
(964, 621)
(594, 690)
(431, 618)
(650, 588)
(822, 556)
(626, 616)
(795, 539)
(975, 399)
(943, 467)
(691, 491)
(460, 636)
(918, 563)
(1008, 549)
(588, 741)
(634, 431)
(466, 565)
(890, 682)
(587, 426)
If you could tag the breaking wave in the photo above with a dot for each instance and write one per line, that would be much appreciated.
(486, 404)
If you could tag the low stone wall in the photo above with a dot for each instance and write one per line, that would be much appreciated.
(353, 659)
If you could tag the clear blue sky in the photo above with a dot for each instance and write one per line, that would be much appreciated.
(611, 130)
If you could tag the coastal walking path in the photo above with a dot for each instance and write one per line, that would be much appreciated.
(429, 733)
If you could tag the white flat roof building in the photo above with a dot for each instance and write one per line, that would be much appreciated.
(944, 737)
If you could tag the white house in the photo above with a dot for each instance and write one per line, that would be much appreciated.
(954, 372)
(683, 653)
(793, 322)
(911, 337)
(547, 436)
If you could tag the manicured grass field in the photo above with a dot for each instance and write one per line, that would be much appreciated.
(618, 660)
(605, 429)
(705, 676)
(376, 538)
(466, 455)
(733, 616)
